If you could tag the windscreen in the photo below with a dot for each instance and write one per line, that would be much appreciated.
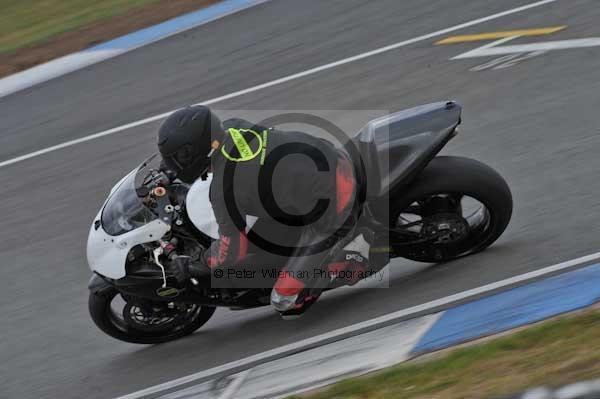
(124, 211)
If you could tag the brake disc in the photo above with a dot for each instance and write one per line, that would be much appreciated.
(150, 318)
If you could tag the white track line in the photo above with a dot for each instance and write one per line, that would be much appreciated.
(359, 328)
(280, 81)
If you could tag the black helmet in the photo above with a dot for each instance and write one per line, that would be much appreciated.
(186, 140)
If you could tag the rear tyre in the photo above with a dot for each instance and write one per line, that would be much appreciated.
(433, 210)
(178, 322)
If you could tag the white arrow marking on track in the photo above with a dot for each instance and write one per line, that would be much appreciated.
(494, 49)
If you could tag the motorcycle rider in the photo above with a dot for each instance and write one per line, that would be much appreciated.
(291, 178)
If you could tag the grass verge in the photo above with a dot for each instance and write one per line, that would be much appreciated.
(554, 353)
(26, 22)
(36, 31)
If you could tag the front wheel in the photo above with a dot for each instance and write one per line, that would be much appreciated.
(455, 207)
(138, 321)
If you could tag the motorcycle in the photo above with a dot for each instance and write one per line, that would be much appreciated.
(429, 208)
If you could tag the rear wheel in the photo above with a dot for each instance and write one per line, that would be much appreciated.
(455, 207)
(142, 322)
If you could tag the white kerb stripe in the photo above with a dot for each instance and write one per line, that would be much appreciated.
(364, 326)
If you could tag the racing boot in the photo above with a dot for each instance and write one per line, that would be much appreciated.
(351, 264)
(291, 298)
(351, 268)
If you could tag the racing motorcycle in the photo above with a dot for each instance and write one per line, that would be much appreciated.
(429, 208)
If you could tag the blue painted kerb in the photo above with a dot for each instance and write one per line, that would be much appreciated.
(513, 308)
(175, 25)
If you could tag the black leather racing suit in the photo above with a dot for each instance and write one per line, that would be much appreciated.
(301, 189)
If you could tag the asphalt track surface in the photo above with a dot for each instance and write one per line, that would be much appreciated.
(537, 123)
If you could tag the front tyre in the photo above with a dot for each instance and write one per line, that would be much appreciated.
(141, 322)
(455, 207)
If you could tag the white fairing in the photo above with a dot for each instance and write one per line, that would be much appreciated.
(200, 211)
(107, 254)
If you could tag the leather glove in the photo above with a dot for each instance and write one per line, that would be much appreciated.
(183, 269)
(180, 267)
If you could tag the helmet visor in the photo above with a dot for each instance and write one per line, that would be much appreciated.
(181, 159)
